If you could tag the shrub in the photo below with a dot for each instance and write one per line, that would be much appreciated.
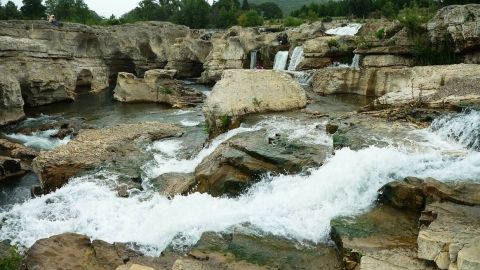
(292, 21)
(413, 19)
(327, 19)
(13, 261)
(380, 34)
(332, 43)
(250, 18)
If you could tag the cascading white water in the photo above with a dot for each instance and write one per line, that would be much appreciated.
(356, 62)
(40, 139)
(296, 59)
(281, 59)
(348, 30)
(299, 207)
(253, 59)
(464, 128)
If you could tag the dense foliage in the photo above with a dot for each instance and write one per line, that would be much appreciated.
(369, 8)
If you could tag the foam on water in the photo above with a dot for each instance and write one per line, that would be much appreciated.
(280, 62)
(348, 30)
(40, 139)
(299, 207)
(189, 123)
(464, 128)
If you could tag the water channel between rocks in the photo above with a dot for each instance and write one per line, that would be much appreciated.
(298, 207)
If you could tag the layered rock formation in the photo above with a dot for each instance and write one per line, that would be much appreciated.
(11, 102)
(156, 86)
(432, 84)
(242, 92)
(92, 148)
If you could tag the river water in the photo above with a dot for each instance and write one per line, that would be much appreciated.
(298, 207)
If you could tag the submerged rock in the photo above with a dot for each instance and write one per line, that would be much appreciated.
(92, 148)
(242, 92)
(382, 238)
(157, 86)
(240, 250)
(239, 162)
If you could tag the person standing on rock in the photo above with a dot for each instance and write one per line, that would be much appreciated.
(53, 20)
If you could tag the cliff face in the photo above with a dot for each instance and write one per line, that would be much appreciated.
(49, 62)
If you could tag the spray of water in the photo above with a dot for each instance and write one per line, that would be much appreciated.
(299, 207)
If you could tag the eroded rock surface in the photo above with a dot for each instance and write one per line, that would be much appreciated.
(11, 102)
(156, 86)
(92, 148)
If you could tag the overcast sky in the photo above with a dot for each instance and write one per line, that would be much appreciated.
(103, 7)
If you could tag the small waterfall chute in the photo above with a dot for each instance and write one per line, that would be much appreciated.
(253, 59)
(296, 59)
(356, 62)
(281, 59)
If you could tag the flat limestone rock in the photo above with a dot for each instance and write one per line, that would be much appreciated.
(451, 239)
(94, 147)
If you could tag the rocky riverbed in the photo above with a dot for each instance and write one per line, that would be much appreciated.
(373, 165)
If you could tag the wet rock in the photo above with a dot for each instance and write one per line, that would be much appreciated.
(157, 86)
(383, 238)
(413, 193)
(252, 251)
(75, 251)
(242, 92)
(331, 128)
(66, 251)
(16, 150)
(11, 102)
(451, 239)
(91, 148)
(241, 160)
(171, 184)
(10, 167)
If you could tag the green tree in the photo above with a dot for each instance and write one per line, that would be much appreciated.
(245, 5)
(250, 18)
(194, 13)
(2, 12)
(269, 10)
(388, 10)
(11, 11)
(33, 9)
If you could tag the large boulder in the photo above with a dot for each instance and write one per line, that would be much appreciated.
(10, 167)
(323, 51)
(239, 162)
(75, 251)
(461, 23)
(92, 148)
(11, 102)
(157, 86)
(242, 92)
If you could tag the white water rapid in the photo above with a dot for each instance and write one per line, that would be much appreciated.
(299, 207)
(296, 59)
(280, 62)
(356, 62)
(348, 30)
(40, 139)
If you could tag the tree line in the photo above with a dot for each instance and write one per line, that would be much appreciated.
(369, 8)
(193, 13)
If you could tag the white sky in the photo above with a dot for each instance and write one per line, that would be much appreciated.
(102, 7)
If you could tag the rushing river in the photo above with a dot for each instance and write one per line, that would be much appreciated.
(298, 207)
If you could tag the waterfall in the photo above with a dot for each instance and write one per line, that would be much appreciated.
(356, 62)
(280, 60)
(253, 59)
(296, 59)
